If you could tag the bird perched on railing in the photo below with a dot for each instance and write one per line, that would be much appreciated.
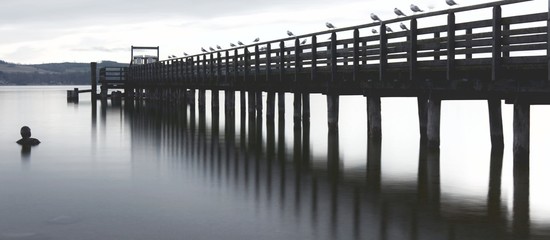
(451, 2)
(329, 25)
(169, 56)
(240, 43)
(403, 26)
(203, 50)
(398, 12)
(415, 8)
(304, 41)
(388, 29)
(212, 49)
(374, 31)
(218, 47)
(185, 54)
(173, 56)
(232, 45)
(289, 33)
(257, 39)
(263, 48)
(374, 17)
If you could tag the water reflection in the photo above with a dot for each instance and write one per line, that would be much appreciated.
(282, 181)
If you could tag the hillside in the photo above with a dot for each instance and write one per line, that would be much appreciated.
(49, 73)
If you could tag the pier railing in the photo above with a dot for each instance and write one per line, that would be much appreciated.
(353, 60)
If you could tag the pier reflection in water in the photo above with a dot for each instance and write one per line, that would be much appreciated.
(255, 160)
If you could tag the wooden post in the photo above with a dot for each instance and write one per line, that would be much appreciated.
(383, 52)
(215, 102)
(413, 51)
(451, 47)
(497, 43)
(282, 82)
(306, 113)
(93, 80)
(521, 131)
(297, 107)
(423, 117)
(270, 102)
(202, 100)
(356, 54)
(313, 58)
(434, 116)
(495, 123)
(332, 111)
(230, 102)
(374, 118)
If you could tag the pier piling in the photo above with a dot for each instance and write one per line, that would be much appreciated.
(374, 117)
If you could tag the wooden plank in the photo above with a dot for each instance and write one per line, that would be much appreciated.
(333, 58)
(314, 58)
(413, 50)
(383, 52)
(356, 55)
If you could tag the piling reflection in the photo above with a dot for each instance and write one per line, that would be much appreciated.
(280, 180)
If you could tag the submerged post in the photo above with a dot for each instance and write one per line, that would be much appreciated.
(495, 122)
(521, 130)
(434, 116)
(93, 80)
(374, 118)
(332, 111)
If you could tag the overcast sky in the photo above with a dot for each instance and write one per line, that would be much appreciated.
(93, 30)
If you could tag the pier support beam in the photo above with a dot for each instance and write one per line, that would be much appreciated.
(259, 103)
(93, 80)
(297, 107)
(332, 111)
(306, 107)
(252, 104)
(202, 100)
(423, 117)
(281, 102)
(434, 116)
(521, 131)
(270, 102)
(215, 95)
(374, 117)
(495, 122)
(230, 102)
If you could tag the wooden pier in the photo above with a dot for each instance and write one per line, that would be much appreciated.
(494, 59)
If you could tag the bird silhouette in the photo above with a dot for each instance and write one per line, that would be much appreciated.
(232, 45)
(374, 17)
(329, 25)
(203, 50)
(169, 56)
(240, 43)
(388, 29)
(263, 48)
(185, 54)
(304, 41)
(374, 31)
(289, 33)
(212, 49)
(256, 40)
(415, 8)
(218, 47)
(173, 56)
(398, 12)
(451, 2)
(403, 26)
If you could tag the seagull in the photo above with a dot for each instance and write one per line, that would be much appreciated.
(263, 48)
(240, 43)
(218, 47)
(374, 31)
(185, 54)
(388, 29)
(329, 25)
(304, 41)
(289, 33)
(257, 40)
(169, 56)
(232, 45)
(374, 17)
(451, 2)
(212, 49)
(415, 8)
(173, 56)
(203, 50)
(398, 12)
(403, 26)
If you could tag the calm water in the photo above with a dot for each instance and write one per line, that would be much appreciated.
(155, 171)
